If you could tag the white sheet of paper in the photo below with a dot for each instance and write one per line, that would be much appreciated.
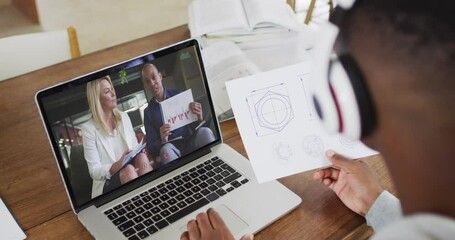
(176, 110)
(9, 228)
(278, 125)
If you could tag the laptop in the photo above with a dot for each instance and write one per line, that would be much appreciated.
(159, 203)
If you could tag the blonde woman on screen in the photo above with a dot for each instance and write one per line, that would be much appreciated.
(107, 138)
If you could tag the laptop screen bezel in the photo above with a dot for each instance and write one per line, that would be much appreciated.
(104, 198)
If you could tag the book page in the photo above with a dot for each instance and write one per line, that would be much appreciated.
(220, 16)
(269, 14)
(225, 61)
(279, 126)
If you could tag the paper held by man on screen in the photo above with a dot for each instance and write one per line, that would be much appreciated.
(279, 126)
(176, 110)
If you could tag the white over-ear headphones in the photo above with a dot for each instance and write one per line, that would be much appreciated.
(340, 95)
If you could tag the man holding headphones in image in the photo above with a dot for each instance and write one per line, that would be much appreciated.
(385, 75)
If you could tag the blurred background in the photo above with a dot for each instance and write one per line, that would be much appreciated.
(99, 24)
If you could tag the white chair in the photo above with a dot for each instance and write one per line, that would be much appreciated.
(25, 53)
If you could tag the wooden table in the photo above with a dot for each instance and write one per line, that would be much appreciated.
(31, 187)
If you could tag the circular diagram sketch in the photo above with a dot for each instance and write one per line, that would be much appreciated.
(270, 109)
(347, 142)
(274, 111)
(313, 146)
(282, 151)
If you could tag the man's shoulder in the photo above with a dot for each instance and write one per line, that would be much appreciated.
(419, 226)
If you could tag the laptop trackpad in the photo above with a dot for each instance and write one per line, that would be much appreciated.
(233, 222)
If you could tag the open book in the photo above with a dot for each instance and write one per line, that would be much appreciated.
(240, 17)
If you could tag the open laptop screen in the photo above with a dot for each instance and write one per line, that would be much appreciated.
(159, 99)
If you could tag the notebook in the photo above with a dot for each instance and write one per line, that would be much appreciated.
(156, 204)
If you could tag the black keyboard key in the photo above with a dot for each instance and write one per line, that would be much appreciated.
(182, 204)
(143, 194)
(213, 188)
(161, 224)
(224, 166)
(217, 163)
(205, 192)
(188, 193)
(152, 189)
(171, 186)
(138, 219)
(201, 171)
(217, 170)
(139, 227)
(134, 237)
(244, 181)
(139, 210)
(152, 229)
(143, 234)
(147, 206)
(195, 181)
(126, 225)
(221, 192)
(164, 205)
(138, 203)
(210, 181)
(225, 173)
(189, 209)
(178, 182)
(155, 210)
(155, 194)
(203, 185)
(194, 175)
(188, 185)
(229, 189)
(169, 181)
(180, 189)
(211, 173)
(112, 216)
(172, 202)
(130, 215)
(148, 222)
(160, 185)
(196, 189)
(127, 202)
(130, 207)
(192, 170)
(236, 184)
(218, 177)
(231, 170)
(120, 220)
(220, 184)
(173, 209)
(203, 178)
(189, 200)
(197, 196)
(212, 197)
(165, 213)
(147, 215)
(232, 177)
(121, 211)
(157, 218)
(186, 178)
(164, 197)
(180, 197)
(156, 201)
(129, 232)
(107, 212)
(135, 198)
(117, 207)
(163, 190)
(146, 199)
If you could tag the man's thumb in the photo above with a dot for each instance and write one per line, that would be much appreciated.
(248, 236)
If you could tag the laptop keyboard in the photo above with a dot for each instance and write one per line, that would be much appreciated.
(153, 210)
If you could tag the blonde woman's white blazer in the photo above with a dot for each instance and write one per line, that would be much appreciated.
(98, 152)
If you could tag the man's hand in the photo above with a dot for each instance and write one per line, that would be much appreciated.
(209, 226)
(196, 108)
(352, 181)
(164, 132)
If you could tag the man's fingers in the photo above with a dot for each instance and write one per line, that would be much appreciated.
(185, 236)
(193, 230)
(216, 220)
(339, 161)
(203, 222)
(326, 173)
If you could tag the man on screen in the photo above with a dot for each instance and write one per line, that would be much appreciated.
(161, 142)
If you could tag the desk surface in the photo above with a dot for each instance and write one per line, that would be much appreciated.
(32, 189)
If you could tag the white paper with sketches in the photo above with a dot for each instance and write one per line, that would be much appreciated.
(278, 125)
(9, 228)
(176, 110)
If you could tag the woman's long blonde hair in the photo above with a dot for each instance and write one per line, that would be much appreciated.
(93, 98)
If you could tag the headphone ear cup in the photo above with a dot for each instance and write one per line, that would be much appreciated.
(356, 108)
